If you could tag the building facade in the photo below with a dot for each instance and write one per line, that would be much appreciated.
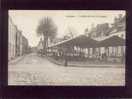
(12, 31)
(104, 31)
(17, 43)
(18, 38)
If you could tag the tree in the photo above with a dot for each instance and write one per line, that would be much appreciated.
(102, 29)
(48, 30)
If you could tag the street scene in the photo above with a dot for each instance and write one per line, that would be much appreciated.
(66, 47)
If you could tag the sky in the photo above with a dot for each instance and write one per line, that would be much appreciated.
(78, 20)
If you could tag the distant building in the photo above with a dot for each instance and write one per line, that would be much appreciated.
(103, 31)
(100, 30)
(24, 45)
(119, 27)
(34, 49)
(119, 23)
(40, 45)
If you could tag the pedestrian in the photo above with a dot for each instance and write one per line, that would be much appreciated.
(66, 59)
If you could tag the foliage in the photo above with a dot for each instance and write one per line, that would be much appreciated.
(47, 29)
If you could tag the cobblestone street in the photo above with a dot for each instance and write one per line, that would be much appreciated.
(35, 70)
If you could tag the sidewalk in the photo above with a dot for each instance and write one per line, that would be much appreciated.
(16, 59)
(87, 64)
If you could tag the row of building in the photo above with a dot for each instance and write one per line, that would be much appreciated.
(17, 42)
(118, 27)
(105, 31)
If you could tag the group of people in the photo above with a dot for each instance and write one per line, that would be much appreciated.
(70, 56)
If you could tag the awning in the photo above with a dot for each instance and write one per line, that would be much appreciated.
(112, 41)
(87, 42)
(81, 41)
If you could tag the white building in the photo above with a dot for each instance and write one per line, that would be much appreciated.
(12, 30)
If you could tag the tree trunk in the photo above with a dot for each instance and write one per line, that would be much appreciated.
(46, 47)
(44, 44)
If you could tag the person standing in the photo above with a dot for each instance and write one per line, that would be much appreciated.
(65, 57)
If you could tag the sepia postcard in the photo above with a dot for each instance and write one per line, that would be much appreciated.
(66, 47)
